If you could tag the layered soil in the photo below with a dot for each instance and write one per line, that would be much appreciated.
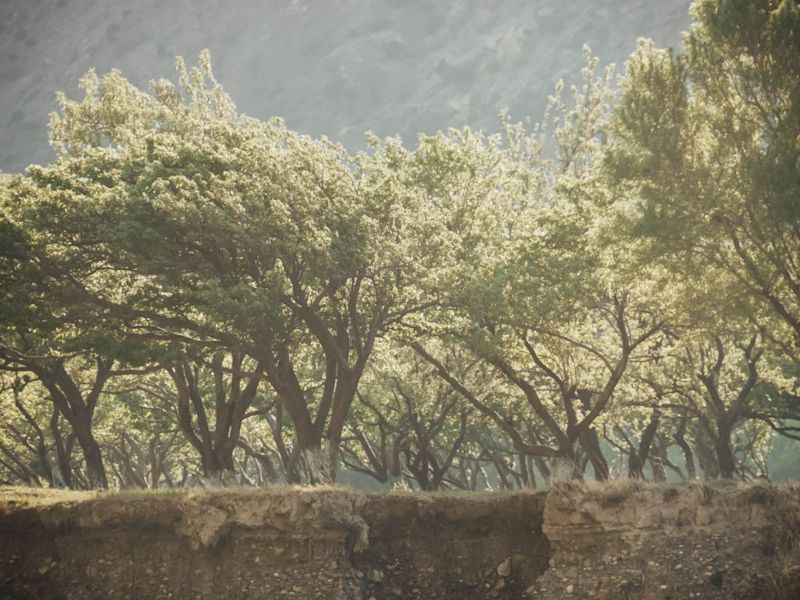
(272, 544)
(619, 540)
(625, 540)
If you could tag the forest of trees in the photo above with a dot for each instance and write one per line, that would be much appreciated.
(192, 296)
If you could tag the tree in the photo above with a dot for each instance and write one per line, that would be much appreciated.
(408, 424)
(45, 330)
(185, 282)
(210, 395)
(24, 445)
(227, 232)
(705, 158)
(536, 299)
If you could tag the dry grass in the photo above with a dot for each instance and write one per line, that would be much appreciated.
(28, 497)
(786, 510)
(616, 490)
(606, 493)
(704, 492)
(613, 491)
(609, 492)
(18, 497)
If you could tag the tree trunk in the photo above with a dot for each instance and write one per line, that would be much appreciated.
(316, 465)
(658, 459)
(62, 457)
(563, 466)
(523, 470)
(591, 444)
(688, 455)
(541, 464)
(95, 469)
(725, 458)
(78, 408)
(645, 443)
(531, 471)
(635, 466)
(210, 463)
(706, 457)
(343, 396)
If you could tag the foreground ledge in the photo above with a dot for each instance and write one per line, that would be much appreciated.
(615, 540)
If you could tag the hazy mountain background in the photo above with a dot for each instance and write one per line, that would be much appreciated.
(336, 67)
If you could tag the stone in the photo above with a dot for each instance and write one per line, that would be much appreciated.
(205, 526)
(703, 516)
(504, 568)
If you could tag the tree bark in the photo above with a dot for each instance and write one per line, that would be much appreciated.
(706, 457)
(688, 455)
(591, 444)
(93, 456)
(725, 458)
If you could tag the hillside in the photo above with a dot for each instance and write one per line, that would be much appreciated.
(336, 68)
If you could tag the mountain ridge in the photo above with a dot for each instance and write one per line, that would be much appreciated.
(336, 68)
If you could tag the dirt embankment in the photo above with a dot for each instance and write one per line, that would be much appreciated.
(625, 540)
(273, 544)
(618, 541)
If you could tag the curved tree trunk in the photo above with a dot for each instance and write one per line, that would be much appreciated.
(688, 455)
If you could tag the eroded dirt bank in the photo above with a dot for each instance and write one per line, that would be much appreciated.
(627, 541)
(619, 541)
(332, 544)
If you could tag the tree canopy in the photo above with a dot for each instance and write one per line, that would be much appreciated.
(193, 295)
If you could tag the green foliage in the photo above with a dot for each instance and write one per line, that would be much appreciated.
(627, 268)
(704, 156)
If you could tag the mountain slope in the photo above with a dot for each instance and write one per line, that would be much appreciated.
(337, 68)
